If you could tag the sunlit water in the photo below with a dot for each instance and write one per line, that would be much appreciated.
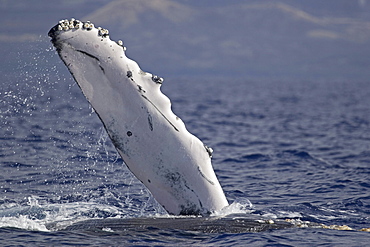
(295, 149)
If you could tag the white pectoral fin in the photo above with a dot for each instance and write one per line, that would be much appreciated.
(153, 142)
(81, 72)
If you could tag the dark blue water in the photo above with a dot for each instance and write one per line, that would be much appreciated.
(295, 149)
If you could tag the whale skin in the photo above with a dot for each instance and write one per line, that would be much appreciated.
(153, 142)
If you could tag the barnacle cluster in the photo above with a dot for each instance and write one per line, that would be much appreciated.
(103, 32)
(303, 224)
(88, 25)
(267, 221)
(65, 25)
(76, 24)
(337, 227)
(69, 24)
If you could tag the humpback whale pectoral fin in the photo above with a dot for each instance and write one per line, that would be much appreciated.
(159, 111)
(94, 57)
(128, 101)
(204, 176)
(209, 150)
(150, 122)
(88, 54)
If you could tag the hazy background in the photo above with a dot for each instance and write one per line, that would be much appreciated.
(279, 39)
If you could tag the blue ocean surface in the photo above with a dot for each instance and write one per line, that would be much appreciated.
(283, 149)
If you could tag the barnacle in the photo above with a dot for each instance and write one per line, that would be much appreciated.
(103, 32)
(77, 24)
(209, 150)
(157, 79)
(120, 43)
(88, 25)
(270, 221)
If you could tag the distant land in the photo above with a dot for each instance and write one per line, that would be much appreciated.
(236, 39)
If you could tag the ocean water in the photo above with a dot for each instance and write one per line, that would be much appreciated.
(283, 149)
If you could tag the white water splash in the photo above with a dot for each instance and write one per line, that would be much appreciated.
(239, 206)
(53, 217)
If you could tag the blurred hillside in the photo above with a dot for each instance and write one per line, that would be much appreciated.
(248, 38)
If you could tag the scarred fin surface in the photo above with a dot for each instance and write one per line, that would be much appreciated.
(154, 143)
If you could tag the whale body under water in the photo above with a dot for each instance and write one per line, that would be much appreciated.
(153, 142)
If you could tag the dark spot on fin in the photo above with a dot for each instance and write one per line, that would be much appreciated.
(129, 74)
(140, 88)
(150, 122)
